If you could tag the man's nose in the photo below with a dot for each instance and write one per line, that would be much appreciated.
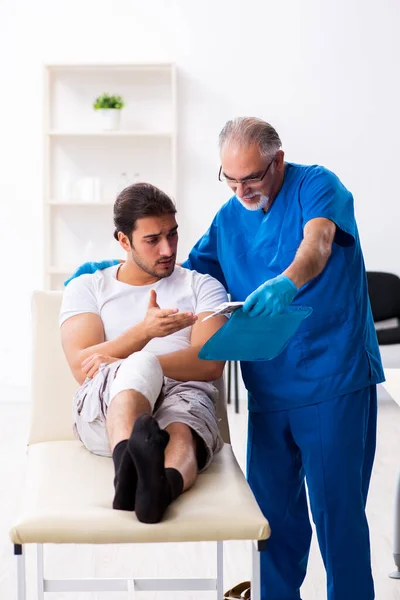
(240, 188)
(166, 248)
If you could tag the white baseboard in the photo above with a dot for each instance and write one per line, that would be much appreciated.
(14, 393)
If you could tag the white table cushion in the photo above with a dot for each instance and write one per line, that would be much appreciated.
(69, 495)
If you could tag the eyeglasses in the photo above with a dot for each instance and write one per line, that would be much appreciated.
(246, 180)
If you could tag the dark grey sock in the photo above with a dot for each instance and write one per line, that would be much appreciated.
(175, 482)
(157, 487)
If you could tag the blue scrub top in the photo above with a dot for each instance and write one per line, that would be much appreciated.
(335, 351)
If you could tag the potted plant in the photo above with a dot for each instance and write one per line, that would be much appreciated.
(110, 109)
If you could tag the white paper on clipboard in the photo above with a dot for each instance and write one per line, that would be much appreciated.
(226, 308)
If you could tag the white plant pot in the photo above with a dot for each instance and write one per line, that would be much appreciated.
(111, 118)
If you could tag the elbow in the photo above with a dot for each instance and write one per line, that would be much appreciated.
(327, 250)
(76, 370)
(78, 375)
(327, 241)
(215, 370)
(325, 256)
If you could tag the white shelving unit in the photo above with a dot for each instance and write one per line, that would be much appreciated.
(84, 164)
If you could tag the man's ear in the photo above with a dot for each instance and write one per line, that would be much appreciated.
(280, 160)
(124, 241)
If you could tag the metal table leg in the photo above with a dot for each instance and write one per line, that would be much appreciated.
(396, 544)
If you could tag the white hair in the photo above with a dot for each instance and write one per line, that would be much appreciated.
(246, 131)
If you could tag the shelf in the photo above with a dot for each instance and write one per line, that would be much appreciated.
(112, 67)
(78, 149)
(117, 133)
(79, 203)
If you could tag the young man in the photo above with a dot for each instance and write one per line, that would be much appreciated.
(145, 397)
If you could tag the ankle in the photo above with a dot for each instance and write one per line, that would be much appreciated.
(175, 482)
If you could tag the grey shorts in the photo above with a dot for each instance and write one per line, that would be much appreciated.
(192, 403)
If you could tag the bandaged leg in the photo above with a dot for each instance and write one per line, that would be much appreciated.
(134, 391)
(140, 372)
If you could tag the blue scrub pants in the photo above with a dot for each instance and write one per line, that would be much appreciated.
(332, 444)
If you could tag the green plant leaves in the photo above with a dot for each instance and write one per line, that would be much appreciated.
(107, 101)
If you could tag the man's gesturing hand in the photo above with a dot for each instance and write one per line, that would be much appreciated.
(160, 322)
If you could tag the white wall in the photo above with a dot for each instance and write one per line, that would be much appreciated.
(325, 74)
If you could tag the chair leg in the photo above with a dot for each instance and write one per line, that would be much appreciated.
(220, 570)
(228, 383)
(40, 571)
(255, 574)
(21, 582)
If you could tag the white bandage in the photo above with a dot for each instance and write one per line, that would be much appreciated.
(141, 372)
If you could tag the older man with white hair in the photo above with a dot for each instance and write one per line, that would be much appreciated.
(288, 235)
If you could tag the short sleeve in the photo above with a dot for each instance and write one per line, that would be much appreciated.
(322, 195)
(79, 297)
(209, 292)
(203, 257)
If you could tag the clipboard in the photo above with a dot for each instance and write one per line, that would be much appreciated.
(254, 338)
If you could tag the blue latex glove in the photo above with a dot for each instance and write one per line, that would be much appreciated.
(91, 267)
(271, 298)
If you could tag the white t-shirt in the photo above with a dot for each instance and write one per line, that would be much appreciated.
(121, 305)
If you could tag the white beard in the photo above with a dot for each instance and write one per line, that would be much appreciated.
(262, 203)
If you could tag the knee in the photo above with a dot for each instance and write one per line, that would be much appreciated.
(142, 373)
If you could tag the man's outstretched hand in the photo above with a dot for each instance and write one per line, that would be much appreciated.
(160, 322)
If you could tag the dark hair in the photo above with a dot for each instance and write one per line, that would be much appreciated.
(136, 202)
